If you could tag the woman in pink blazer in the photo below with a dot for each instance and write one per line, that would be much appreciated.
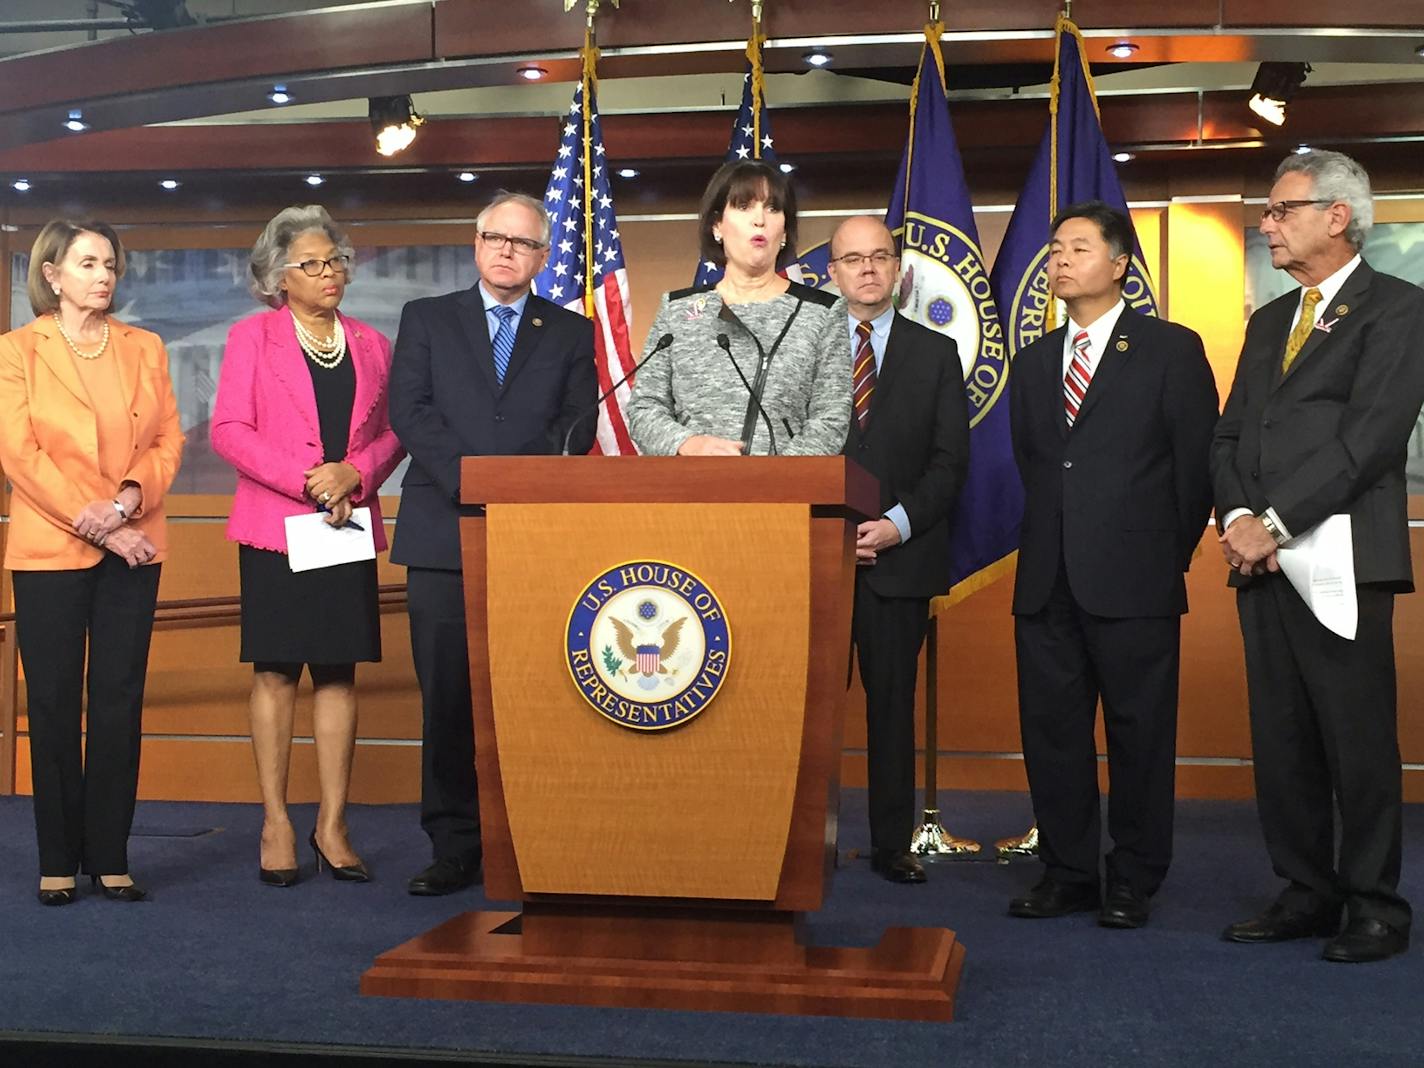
(301, 414)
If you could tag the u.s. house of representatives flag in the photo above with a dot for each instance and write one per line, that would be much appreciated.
(945, 286)
(1073, 164)
(586, 272)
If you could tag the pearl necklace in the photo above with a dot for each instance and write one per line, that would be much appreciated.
(103, 341)
(325, 352)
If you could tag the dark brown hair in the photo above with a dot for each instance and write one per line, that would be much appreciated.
(52, 245)
(735, 185)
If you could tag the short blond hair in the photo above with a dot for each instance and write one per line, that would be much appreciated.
(52, 245)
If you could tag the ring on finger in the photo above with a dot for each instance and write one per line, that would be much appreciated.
(326, 496)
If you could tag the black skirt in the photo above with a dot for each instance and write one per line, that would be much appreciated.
(327, 616)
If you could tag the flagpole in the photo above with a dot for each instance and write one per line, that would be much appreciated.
(754, 44)
(589, 52)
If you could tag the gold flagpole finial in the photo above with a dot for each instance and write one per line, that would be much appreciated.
(757, 7)
(934, 10)
(590, 7)
(1067, 9)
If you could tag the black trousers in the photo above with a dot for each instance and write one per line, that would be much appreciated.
(888, 634)
(1323, 733)
(84, 791)
(1067, 660)
(449, 799)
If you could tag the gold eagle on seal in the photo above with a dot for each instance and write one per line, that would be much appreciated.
(647, 658)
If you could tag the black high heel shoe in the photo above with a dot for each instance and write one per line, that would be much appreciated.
(279, 876)
(64, 895)
(128, 893)
(351, 873)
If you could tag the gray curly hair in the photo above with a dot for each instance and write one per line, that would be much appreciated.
(270, 251)
(1335, 177)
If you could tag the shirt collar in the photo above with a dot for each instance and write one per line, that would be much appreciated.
(879, 326)
(1098, 331)
(1330, 286)
(491, 303)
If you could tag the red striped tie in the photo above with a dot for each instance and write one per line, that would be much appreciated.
(1075, 383)
(863, 377)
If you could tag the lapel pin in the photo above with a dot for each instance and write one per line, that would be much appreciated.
(1343, 309)
(1326, 326)
(538, 322)
(1122, 345)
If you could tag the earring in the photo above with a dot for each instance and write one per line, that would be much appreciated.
(56, 289)
(783, 242)
(717, 238)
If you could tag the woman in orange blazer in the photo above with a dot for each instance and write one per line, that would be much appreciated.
(90, 441)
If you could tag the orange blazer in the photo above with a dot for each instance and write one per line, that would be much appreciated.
(49, 442)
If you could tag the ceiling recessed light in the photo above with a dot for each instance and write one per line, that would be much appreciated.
(1122, 49)
(314, 179)
(818, 58)
(467, 176)
(1123, 157)
(531, 73)
(20, 185)
(170, 184)
(1301, 150)
(627, 172)
(75, 123)
(279, 95)
(787, 168)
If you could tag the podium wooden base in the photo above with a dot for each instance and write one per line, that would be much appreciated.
(672, 959)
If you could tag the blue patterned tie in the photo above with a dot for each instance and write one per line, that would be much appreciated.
(503, 341)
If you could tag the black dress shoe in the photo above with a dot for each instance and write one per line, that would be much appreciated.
(897, 866)
(1123, 907)
(445, 876)
(1052, 898)
(54, 898)
(129, 893)
(1365, 940)
(279, 876)
(1280, 924)
(342, 873)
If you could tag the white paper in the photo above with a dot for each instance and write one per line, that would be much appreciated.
(1320, 564)
(312, 542)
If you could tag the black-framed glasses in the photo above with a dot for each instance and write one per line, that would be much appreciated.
(856, 260)
(1281, 208)
(497, 241)
(315, 268)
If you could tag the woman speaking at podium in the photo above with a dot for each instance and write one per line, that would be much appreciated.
(756, 364)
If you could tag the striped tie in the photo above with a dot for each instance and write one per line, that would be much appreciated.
(503, 341)
(1301, 333)
(863, 377)
(1075, 383)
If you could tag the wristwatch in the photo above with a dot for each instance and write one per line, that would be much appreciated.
(1271, 528)
(120, 509)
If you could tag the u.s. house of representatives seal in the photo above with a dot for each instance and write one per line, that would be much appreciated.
(648, 645)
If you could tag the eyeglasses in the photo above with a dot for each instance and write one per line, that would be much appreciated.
(856, 260)
(526, 245)
(314, 268)
(1281, 208)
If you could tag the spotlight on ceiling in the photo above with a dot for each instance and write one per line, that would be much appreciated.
(394, 122)
(1275, 85)
(467, 176)
(1301, 150)
(818, 58)
(20, 185)
(170, 184)
(787, 168)
(75, 123)
(531, 73)
(279, 95)
(1123, 157)
(627, 172)
(1122, 49)
(314, 180)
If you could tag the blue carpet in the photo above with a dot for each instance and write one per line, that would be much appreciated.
(217, 955)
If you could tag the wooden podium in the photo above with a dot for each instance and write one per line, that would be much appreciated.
(663, 866)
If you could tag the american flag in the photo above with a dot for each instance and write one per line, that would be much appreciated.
(578, 199)
(751, 139)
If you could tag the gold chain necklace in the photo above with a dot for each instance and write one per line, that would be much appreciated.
(103, 340)
(325, 352)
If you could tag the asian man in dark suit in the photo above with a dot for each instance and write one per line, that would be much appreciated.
(1327, 393)
(490, 371)
(1112, 417)
(910, 428)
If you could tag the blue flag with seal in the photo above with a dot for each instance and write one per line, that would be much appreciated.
(944, 285)
(1073, 164)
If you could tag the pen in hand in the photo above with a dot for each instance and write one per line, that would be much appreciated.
(349, 523)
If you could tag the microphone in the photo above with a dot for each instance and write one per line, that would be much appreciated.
(663, 342)
(725, 344)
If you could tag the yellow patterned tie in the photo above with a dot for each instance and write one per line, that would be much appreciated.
(1302, 330)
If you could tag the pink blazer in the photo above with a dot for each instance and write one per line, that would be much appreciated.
(265, 424)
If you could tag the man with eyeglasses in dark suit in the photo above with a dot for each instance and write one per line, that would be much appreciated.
(489, 371)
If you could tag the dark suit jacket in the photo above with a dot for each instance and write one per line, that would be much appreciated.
(1122, 498)
(445, 404)
(917, 444)
(1330, 436)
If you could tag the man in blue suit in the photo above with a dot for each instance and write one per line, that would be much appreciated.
(489, 371)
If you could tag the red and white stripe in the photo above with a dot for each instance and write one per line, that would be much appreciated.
(613, 355)
(1078, 378)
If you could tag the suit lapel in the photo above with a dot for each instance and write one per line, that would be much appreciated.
(475, 323)
(1111, 361)
(1052, 371)
(532, 331)
(1351, 296)
(53, 352)
(288, 365)
(361, 348)
(126, 352)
